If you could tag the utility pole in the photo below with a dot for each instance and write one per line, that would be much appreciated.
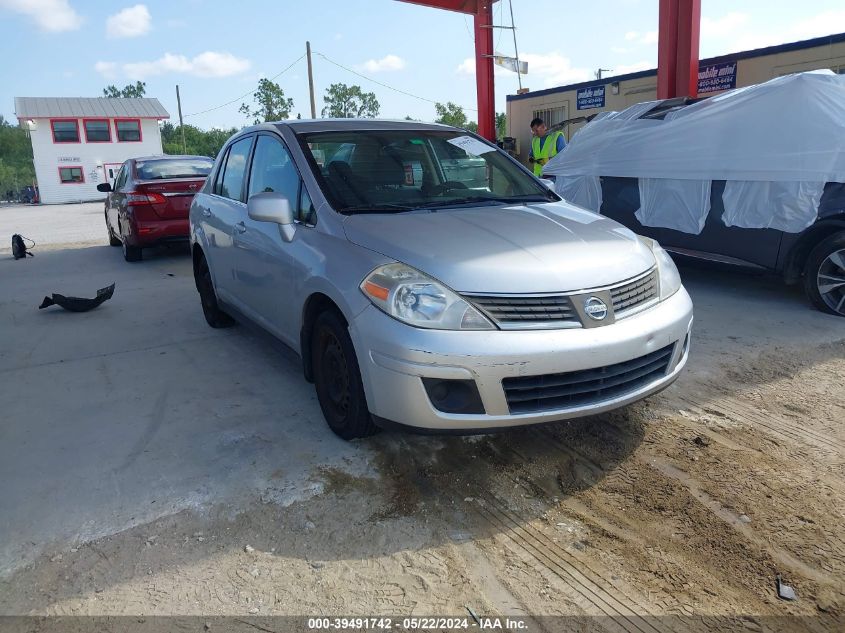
(602, 70)
(515, 51)
(310, 80)
(181, 124)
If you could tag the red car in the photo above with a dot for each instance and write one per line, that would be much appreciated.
(148, 203)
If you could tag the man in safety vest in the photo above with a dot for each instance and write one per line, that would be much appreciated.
(543, 145)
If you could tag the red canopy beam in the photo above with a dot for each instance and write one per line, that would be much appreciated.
(482, 12)
(677, 48)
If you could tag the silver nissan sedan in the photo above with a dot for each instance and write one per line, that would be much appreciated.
(430, 281)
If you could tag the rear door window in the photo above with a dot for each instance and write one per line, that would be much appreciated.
(232, 183)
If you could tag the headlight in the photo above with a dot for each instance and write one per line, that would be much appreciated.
(410, 296)
(667, 272)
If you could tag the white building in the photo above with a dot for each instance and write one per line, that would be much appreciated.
(78, 143)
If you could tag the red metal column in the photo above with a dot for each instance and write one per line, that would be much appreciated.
(677, 48)
(484, 69)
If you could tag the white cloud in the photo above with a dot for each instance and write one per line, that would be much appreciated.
(466, 67)
(624, 69)
(49, 15)
(106, 69)
(724, 26)
(130, 22)
(618, 49)
(649, 37)
(388, 62)
(207, 64)
(746, 35)
(554, 69)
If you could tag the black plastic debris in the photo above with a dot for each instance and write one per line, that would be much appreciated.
(785, 592)
(78, 304)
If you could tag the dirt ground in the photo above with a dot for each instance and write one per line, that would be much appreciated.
(688, 504)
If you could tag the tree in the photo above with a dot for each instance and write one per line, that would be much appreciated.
(272, 105)
(344, 102)
(198, 142)
(501, 125)
(129, 91)
(450, 114)
(16, 168)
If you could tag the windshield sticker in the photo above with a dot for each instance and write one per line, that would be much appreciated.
(471, 145)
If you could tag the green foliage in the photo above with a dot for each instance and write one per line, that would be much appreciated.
(501, 125)
(16, 168)
(130, 91)
(271, 103)
(450, 114)
(344, 102)
(199, 142)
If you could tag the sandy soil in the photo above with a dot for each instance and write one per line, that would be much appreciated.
(687, 504)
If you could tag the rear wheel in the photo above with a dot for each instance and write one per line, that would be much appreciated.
(214, 316)
(131, 253)
(338, 379)
(113, 241)
(824, 275)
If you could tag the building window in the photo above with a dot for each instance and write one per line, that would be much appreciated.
(551, 116)
(128, 130)
(65, 130)
(97, 130)
(71, 175)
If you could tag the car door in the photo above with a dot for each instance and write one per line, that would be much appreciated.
(223, 212)
(716, 241)
(264, 266)
(114, 199)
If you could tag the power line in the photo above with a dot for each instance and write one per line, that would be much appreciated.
(251, 92)
(383, 85)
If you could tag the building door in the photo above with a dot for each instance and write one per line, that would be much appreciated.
(111, 170)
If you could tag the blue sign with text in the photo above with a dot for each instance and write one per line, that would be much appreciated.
(592, 97)
(716, 77)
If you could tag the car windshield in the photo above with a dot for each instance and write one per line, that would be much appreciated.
(173, 168)
(393, 171)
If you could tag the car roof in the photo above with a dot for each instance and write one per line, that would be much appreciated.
(299, 126)
(167, 157)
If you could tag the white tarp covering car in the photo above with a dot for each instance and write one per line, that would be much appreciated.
(775, 144)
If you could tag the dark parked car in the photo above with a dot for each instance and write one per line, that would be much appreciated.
(815, 256)
(149, 202)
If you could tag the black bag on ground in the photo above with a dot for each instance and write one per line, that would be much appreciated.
(19, 248)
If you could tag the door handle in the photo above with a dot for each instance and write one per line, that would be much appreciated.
(206, 212)
(240, 227)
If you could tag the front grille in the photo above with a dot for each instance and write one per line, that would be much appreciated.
(519, 310)
(528, 394)
(634, 293)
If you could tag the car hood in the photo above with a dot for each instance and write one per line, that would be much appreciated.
(535, 248)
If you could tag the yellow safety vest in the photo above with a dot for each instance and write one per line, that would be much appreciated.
(542, 155)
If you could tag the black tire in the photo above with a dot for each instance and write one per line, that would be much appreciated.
(338, 379)
(113, 241)
(131, 253)
(214, 316)
(824, 269)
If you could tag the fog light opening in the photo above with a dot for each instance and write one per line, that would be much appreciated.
(453, 396)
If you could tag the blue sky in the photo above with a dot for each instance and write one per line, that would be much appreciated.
(217, 51)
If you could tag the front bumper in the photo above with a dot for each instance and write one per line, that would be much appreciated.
(395, 357)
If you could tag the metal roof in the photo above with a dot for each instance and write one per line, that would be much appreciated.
(43, 107)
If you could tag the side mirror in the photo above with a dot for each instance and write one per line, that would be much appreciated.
(104, 187)
(269, 206)
(550, 184)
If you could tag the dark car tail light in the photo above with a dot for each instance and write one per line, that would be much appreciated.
(136, 198)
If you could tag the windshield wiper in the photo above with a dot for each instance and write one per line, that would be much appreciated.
(488, 199)
(381, 207)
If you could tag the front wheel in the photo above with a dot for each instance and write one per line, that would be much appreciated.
(338, 379)
(824, 275)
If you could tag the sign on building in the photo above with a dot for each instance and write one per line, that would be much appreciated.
(592, 97)
(716, 77)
